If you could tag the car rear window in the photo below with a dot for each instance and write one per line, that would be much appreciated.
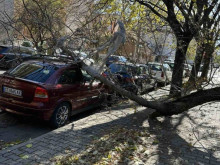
(156, 67)
(111, 58)
(166, 67)
(116, 68)
(3, 49)
(33, 72)
(20, 50)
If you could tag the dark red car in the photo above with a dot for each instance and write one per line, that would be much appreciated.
(50, 90)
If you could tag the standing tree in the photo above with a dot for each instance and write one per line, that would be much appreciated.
(185, 18)
(42, 21)
(163, 107)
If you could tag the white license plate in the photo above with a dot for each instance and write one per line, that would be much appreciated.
(12, 91)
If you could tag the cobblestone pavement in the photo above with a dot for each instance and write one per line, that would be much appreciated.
(188, 138)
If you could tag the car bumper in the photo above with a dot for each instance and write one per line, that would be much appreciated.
(26, 109)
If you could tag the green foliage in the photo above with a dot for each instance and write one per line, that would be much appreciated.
(40, 20)
(191, 51)
(26, 44)
(217, 59)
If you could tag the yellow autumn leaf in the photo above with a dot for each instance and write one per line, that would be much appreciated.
(29, 145)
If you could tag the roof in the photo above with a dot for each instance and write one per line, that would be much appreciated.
(58, 63)
(154, 63)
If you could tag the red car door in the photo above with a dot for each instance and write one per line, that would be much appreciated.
(95, 88)
(69, 87)
(73, 87)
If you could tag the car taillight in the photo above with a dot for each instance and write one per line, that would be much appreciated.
(104, 74)
(130, 80)
(41, 95)
(1, 55)
(162, 74)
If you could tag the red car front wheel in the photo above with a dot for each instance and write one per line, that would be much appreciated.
(61, 115)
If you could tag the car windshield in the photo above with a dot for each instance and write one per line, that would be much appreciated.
(132, 69)
(3, 49)
(166, 67)
(155, 67)
(34, 72)
(20, 50)
(123, 59)
(171, 65)
(113, 58)
(117, 68)
(143, 70)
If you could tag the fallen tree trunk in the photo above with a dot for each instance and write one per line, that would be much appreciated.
(163, 108)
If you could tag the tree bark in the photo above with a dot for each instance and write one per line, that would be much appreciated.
(184, 103)
(176, 83)
(197, 62)
(163, 108)
(209, 50)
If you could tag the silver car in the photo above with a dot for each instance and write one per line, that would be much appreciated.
(161, 72)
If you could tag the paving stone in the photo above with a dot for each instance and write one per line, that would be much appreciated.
(77, 137)
(13, 157)
(3, 159)
(7, 154)
(214, 162)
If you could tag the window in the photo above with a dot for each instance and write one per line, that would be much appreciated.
(86, 76)
(166, 67)
(156, 67)
(33, 72)
(3, 49)
(117, 68)
(71, 76)
(20, 50)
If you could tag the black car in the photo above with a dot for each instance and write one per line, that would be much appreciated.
(143, 79)
(113, 59)
(11, 56)
(123, 74)
(131, 77)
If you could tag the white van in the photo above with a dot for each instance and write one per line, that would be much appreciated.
(161, 72)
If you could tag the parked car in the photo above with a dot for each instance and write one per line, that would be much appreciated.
(170, 63)
(83, 56)
(123, 74)
(131, 77)
(186, 70)
(50, 90)
(79, 55)
(143, 79)
(11, 56)
(113, 59)
(161, 72)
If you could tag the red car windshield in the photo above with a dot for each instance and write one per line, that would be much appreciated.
(33, 71)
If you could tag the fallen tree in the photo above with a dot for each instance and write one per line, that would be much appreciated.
(164, 107)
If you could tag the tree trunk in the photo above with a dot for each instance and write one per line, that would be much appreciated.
(209, 49)
(184, 103)
(176, 83)
(162, 108)
(197, 62)
(165, 108)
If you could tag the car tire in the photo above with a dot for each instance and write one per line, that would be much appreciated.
(60, 115)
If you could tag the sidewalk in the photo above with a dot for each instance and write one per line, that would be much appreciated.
(188, 138)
